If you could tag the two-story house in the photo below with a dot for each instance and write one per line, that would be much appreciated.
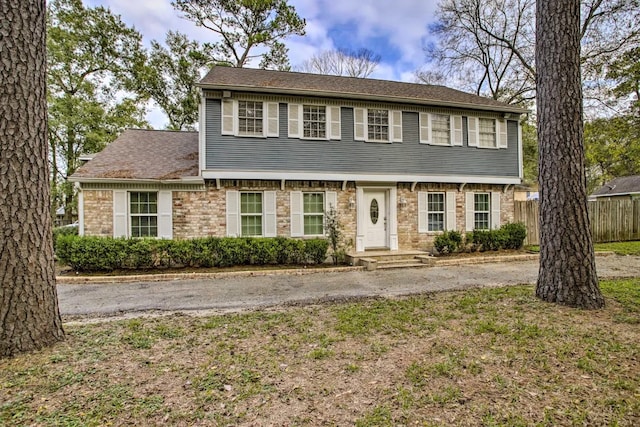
(399, 162)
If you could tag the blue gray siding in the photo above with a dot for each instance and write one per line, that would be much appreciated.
(348, 156)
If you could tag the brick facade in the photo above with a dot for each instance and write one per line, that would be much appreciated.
(203, 213)
(98, 212)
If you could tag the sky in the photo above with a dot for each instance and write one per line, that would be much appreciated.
(395, 30)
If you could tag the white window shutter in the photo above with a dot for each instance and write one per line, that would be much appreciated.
(120, 208)
(501, 126)
(495, 209)
(270, 217)
(360, 124)
(473, 131)
(450, 197)
(469, 205)
(422, 212)
(233, 213)
(425, 128)
(165, 214)
(228, 117)
(331, 201)
(335, 126)
(294, 120)
(297, 220)
(272, 119)
(396, 126)
(456, 130)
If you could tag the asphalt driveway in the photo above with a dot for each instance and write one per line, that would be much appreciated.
(242, 293)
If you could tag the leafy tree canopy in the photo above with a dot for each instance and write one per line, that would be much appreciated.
(169, 75)
(90, 52)
(247, 29)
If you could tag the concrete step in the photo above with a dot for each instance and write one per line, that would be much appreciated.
(386, 265)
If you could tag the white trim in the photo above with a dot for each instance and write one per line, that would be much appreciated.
(294, 120)
(296, 228)
(80, 213)
(121, 213)
(334, 122)
(424, 128)
(269, 213)
(629, 193)
(336, 176)
(165, 214)
(495, 210)
(202, 134)
(520, 153)
(269, 121)
(450, 222)
(391, 234)
(190, 180)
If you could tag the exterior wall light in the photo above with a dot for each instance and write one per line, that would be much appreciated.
(352, 203)
(403, 203)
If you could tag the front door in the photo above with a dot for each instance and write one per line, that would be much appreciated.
(375, 206)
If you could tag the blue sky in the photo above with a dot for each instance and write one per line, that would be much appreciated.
(396, 30)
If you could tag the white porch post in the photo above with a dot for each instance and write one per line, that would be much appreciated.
(360, 219)
(393, 218)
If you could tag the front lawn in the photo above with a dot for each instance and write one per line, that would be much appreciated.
(620, 248)
(482, 357)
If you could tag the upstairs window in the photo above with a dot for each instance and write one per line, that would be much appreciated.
(441, 129)
(314, 121)
(250, 117)
(378, 125)
(143, 211)
(487, 132)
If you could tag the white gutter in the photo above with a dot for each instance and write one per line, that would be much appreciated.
(313, 176)
(191, 180)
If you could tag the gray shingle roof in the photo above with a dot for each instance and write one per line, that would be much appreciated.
(145, 154)
(622, 185)
(229, 78)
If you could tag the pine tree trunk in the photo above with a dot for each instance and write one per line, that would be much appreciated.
(29, 315)
(567, 264)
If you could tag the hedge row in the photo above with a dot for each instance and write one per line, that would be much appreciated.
(509, 236)
(107, 254)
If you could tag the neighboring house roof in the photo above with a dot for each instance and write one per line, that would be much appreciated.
(619, 186)
(139, 154)
(248, 79)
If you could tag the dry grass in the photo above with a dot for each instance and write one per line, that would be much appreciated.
(482, 357)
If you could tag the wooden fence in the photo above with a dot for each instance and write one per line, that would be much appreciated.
(611, 220)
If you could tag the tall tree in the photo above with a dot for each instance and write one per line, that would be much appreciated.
(247, 29)
(89, 52)
(490, 44)
(612, 149)
(342, 62)
(567, 263)
(169, 75)
(29, 315)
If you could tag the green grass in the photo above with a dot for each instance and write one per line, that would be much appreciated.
(620, 248)
(495, 357)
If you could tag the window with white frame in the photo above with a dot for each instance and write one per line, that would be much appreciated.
(314, 121)
(487, 133)
(313, 213)
(378, 124)
(251, 214)
(143, 212)
(482, 211)
(435, 211)
(441, 129)
(250, 118)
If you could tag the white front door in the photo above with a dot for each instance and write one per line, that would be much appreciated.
(375, 223)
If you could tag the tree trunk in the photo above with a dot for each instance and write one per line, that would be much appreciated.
(29, 316)
(567, 264)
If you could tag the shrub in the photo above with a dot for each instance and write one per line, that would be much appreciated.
(509, 236)
(65, 230)
(316, 250)
(107, 254)
(448, 242)
(515, 233)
